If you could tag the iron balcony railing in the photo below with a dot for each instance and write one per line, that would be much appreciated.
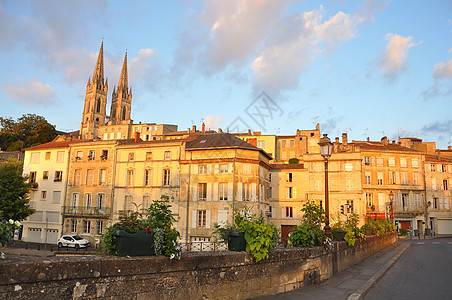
(86, 211)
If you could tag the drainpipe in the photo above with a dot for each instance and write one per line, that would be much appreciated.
(188, 201)
(65, 188)
(113, 179)
(425, 198)
(233, 186)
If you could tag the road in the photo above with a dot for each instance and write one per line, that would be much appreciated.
(423, 272)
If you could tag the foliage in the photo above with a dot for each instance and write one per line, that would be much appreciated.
(380, 226)
(7, 231)
(302, 236)
(157, 220)
(14, 201)
(259, 237)
(350, 237)
(294, 160)
(29, 130)
(313, 214)
(403, 231)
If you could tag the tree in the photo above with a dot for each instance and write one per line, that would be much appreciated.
(29, 130)
(14, 201)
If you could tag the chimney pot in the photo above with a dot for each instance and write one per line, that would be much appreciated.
(344, 138)
(194, 128)
(137, 137)
(220, 130)
(203, 128)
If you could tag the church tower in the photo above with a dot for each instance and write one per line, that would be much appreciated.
(94, 113)
(121, 101)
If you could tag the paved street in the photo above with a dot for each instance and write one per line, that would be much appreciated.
(423, 272)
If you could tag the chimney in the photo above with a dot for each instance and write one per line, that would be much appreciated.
(384, 140)
(449, 148)
(368, 139)
(344, 139)
(137, 137)
(220, 130)
(203, 128)
(249, 131)
(337, 140)
(317, 127)
(194, 128)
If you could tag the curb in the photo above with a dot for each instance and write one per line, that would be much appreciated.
(363, 289)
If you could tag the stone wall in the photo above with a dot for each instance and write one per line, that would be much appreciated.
(202, 275)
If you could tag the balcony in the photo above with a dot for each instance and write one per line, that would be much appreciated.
(86, 211)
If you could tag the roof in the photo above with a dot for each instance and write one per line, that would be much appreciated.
(220, 141)
(287, 166)
(52, 145)
(436, 159)
(369, 145)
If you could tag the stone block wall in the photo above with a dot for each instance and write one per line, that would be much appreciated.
(202, 275)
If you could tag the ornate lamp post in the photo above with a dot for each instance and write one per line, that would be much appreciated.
(326, 148)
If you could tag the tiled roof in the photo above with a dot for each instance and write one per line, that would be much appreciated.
(287, 166)
(382, 147)
(220, 141)
(436, 159)
(52, 145)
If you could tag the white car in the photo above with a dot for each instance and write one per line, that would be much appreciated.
(72, 240)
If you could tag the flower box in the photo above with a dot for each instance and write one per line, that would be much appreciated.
(134, 244)
(236, 241)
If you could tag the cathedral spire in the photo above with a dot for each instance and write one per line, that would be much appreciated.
(99, 70)
(123, 80)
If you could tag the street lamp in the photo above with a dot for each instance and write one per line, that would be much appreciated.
(391, 207)
(326, 148)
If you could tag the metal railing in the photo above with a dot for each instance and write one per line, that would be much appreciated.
(86, 211)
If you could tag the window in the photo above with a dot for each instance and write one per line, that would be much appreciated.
(348, 167)
(283, 144)
(58, 176)
(270, 192)
(104, 155)
(223, 168)
(88, 201)
(147, 177)
(47, 157)
(447, 203)
(91, 155)
(261, 144)
(417, 200)
(380, 178)
(45, 175)
(245, 192)
(79, 155)
(56, 197)
(100, 199)
(391, 162)
(289, 192)
(34, 158)
(99, 227)
(166, 177)
(392, 177)
(202, 169)
(367, 178)
(349, 185)
(86, 226)
(404, 177)
(292, 143)
(405, 201)
(131, 156)
(202, 218)
(223, 191)
(73, 226)
(403, 162)
(148, 156)
(435, 203)
(270, 177)
(32, 177)
(74, 200)
(60, 156)
(366, 160)
(445, 185)
(89, 177)
(202, 191)
(77, 177)
(369, 199)
(284, 156)
(434, 186)
(289, 212)
(167, 155)
(415, 178)
(432, 168)
(129, 179)
(246, 169)
(414, 163)
(128, 202)
(349, 207)
(443, 168)
(44, 195)
(289, 177)
(380, 161)
(102, 176)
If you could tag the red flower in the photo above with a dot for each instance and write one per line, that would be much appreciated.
(148, 229)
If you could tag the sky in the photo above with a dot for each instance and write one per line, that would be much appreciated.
(367, 68)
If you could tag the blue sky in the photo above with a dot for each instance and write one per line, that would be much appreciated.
(369, 68)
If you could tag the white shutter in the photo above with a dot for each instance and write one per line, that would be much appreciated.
(295, 192)
(195, 169)
(410, 202)
(397, 177)
(253, 192)
(194, 217)
(216, 168)
(207, 218)
(229, 167)
(215, 191)
(209, 169)
(239, 191)
(195, 192)
(283, 212)
(230, 191)
(209, 191)
(222, 217)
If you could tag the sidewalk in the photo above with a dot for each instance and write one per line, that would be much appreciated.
(352, 283)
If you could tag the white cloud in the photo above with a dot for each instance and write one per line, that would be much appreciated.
(394, 59)
(442, 86)
(33, 93)
(212, 121)
(443, 70)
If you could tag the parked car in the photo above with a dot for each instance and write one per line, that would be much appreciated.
(73, 240)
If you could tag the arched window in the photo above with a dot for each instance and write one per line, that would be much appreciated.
(98, 105)
(124, 113)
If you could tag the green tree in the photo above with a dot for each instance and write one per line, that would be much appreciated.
(29, 130)
(14, 201)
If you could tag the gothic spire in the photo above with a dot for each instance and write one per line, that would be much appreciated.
(123, 81)
(99, 70)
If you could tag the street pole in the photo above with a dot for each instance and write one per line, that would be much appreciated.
(327, 203)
